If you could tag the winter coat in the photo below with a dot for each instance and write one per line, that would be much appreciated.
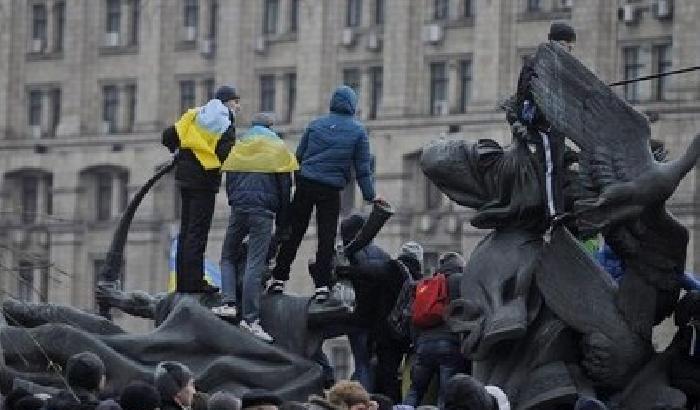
(265, 190)
(335, 143)
(190, 172)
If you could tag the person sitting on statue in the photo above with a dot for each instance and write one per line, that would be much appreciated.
(258, 184)
(200, 141)
(329, 148)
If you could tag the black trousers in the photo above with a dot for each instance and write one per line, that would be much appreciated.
(326, 200)
(195, 221)
(386, 379)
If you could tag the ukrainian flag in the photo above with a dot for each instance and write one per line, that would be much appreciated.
(212, 273)
(260, 150)
(199, 130)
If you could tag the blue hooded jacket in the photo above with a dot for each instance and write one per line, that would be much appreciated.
(334, 143)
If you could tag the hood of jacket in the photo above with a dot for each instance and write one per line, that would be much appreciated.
(344, 101)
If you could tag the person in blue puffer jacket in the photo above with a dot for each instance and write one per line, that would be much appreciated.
(331, 146)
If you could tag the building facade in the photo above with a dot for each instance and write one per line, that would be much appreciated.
(87, 86)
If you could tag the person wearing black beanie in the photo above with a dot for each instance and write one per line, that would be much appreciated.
(86, 376)
(139, 396)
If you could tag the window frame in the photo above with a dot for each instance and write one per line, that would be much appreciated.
(466, 79)
(441, 10)
(631, 70)
(113, 16)
(110, 106)
(59, 14)
(270, 17)
(35, 107)
(188, 94)
(376, 79)
(353, 13)
(266, 84)
(441, 82)
(662, 65)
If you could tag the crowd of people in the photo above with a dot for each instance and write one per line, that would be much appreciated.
(173, 388)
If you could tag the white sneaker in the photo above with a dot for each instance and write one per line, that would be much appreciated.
(257, 330)
(225, 310)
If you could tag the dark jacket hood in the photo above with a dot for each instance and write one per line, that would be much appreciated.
(344, 100)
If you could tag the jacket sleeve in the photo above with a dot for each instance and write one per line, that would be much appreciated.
(223, 146)
(303, 143)
(363, 167)
(372, 272)
(170, 139)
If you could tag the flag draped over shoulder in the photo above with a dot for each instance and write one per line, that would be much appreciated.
(260, 150)
(199, 130)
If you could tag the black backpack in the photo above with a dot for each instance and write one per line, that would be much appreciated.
(399, 319)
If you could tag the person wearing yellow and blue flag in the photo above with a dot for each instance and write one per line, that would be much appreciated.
(258, 184)
(200, 141)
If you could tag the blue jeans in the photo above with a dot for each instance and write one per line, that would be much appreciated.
(434, 356)
(258, 227)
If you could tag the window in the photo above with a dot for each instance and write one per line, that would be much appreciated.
(267, 93)
(353, 13)
(55, 103)
(187, 95)
(630, 57)
(433, 196)
(191, 13)
(375, 75)
(291, 80)
(34, 115)
(468, 10)
(533, 6)
(209, 89)
(135, 16)
(59, 15)
(465, 91)
(114, 16)
(131, 108)
(25, 281)
(441, 9)
(110, 104)
(566, 4)
(39, 22)
(438, 87)
(213, 17)
(379, 8)
(30, 198)
(110, 193)
(662, 54)
(270, 16)
(294, 16)
(351, 78)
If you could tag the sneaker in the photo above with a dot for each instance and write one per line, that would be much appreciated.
(275, 287)
(225, 310)
(257, 330)
(321, 294)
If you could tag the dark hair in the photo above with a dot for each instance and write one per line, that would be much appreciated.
(561, 32)
(171, 377)
(258, 397)
(463, 392)
(85, 370)
(139, 396)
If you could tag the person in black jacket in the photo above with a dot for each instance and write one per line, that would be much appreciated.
(198, 177)
(377, 282)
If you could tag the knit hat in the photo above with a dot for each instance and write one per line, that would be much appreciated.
(561, 32)
(139, 396)
(412, 249)
(266, 119)
(223, 401)
(226, 93)
(214, 117)
(259, 397)
(85, 370)
(110, 404)
(170, 378)
(450, 262)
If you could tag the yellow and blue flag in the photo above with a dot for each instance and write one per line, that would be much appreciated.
(212, 273)
(260, 150)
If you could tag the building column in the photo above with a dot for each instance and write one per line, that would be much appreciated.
(401, 58)
(315, 61)
(149, 100)
(492, 58)
(685, 51)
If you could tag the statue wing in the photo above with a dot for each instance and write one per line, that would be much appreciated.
(613, 137)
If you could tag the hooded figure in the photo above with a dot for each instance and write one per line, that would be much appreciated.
(330, 148)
